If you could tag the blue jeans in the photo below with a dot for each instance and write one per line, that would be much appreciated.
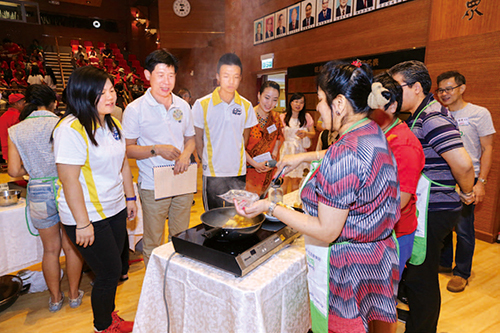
(466, 242)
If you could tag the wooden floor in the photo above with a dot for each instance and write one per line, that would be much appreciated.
(476, 310)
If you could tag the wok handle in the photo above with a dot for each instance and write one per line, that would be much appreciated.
(211, 233)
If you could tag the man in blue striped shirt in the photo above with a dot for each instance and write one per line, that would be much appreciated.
(446, 164)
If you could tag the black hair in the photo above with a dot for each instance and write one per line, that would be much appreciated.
(230, 59)
(6, 40)
(394, 93)
(413, 71)
(353, 82)
(50, 73)
(37, 95)
(35, 71)
(459, 78)
(83, 93)
(269, 84)
(309, 4)
(160, 56)
(302, 113)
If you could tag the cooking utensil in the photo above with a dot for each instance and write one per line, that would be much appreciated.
(10, 287)
(277, 181)
(9, 197)
(218, 217)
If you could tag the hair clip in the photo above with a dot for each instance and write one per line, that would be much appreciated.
(357, 63)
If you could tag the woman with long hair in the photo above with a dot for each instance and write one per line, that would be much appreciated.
(265, 138)
(31, 152)
(35, 76)
(352, 200)
(50, 79)
(298, 131)
(95, 176)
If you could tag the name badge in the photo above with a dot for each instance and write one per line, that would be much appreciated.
(463, 121)
(271, 128)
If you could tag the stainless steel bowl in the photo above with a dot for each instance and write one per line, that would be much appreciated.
(10, 197)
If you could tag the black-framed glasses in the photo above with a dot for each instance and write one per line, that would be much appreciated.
(448, 90)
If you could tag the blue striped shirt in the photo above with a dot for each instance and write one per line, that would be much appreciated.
(438, 133)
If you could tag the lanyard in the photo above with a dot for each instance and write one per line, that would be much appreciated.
(352, 126)
(394, 124)
(418, 115)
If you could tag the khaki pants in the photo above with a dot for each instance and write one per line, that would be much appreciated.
(155, 212)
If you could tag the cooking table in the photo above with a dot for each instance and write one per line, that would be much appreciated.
(271, 298)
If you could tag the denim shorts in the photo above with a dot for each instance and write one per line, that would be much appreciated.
(41, 203)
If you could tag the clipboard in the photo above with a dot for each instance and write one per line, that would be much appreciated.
(169, 185)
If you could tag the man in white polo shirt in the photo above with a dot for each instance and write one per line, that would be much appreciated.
(222, 123)
(159, 130)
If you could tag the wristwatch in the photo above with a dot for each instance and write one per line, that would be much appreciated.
(271, 208)
(153, 151)
(482, 180)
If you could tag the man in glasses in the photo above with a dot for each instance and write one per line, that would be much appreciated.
(476, 129)
(446, 164)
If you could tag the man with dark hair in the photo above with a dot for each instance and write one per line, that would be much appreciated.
(326, 13)
(159, 131)
(294, 22)
(281, 28)
(308, 20)
(446, 164)
(477, 131)
(343, 8)
(222, 121)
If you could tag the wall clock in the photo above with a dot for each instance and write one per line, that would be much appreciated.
(182, 8)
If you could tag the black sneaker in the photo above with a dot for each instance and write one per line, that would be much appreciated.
(403, 315)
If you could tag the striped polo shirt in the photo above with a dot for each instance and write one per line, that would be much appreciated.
(438, 133)
(223, 125)
(101, 166)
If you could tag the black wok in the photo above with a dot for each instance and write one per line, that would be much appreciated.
(215, 219)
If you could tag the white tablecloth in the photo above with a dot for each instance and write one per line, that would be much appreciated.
(271, 298)
(18, 248)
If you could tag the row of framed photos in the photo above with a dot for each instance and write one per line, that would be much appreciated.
(308, 14)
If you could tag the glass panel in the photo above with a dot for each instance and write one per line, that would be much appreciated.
(10, 11)
(32, 14)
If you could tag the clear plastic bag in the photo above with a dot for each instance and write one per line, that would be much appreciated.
(244, 198)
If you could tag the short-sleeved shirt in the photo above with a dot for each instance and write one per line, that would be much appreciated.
(474, 122)
(410, 160)
(223, 125)
(358, 173)
(438, 133)
(100, 175)
(32, 140)
(152, 124)
(8, 119)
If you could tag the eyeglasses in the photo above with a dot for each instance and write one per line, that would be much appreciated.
(448, 90)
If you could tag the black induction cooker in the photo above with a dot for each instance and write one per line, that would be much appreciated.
(237, 257)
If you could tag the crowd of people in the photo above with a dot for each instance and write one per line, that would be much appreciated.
(380, 194)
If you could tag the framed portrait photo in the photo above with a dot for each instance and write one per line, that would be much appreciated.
(293, 18)
(364, 6)
(269, 27)
(324, 11)
(258, 31)
(386, 3)
(308, 14)
(343, 9)
(281, 23)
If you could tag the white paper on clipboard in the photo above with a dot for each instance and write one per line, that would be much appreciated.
(169, 185)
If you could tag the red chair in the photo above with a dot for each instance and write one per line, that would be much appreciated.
(122, 62)
(136, 63)
(116, 51)
(108, 62)
(132, 57)
(74, 42)
(119, 56)
(113, 45)
(87, 43)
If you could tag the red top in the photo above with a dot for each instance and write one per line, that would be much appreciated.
(410, 159)
(8, 119)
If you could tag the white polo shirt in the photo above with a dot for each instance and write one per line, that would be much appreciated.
(223, 125)
(152, 124)
(100, 175)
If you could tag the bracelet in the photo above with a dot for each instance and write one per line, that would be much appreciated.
(134, 198)
(467, 194)
(84, 227)
(482, 180)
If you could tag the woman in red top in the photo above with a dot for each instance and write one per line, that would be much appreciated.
(409, 157)
(265, 137)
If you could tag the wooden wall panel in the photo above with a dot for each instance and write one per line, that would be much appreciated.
(476, 57)
(205, 22)
(448, 21)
